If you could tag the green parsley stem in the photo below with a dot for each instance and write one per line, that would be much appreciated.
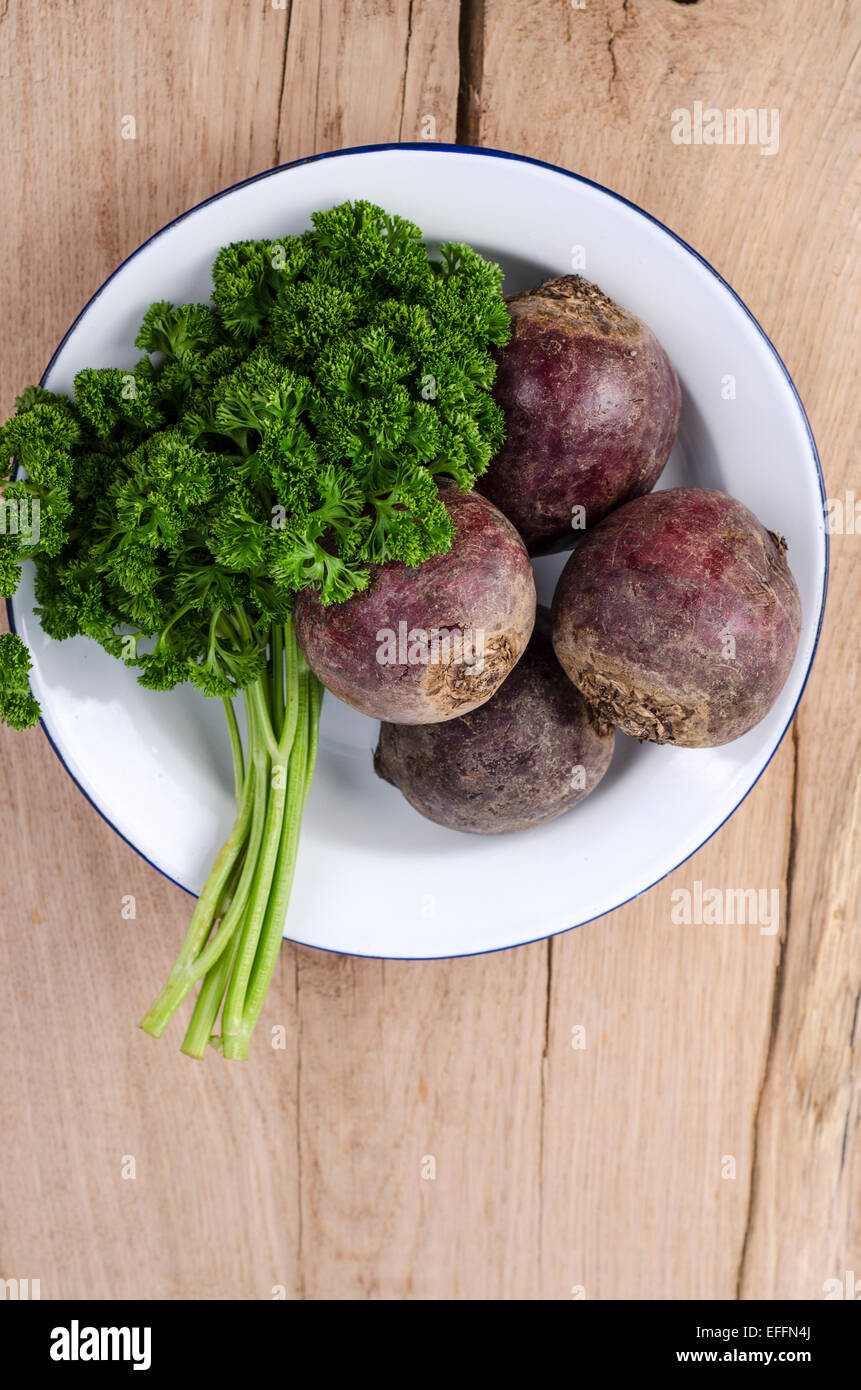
(236, 747)
(246, 836)
(277, 677)
(301, 773)
(199, 1032)
(294, 722)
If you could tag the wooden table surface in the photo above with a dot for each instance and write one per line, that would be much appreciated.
(705, 1141)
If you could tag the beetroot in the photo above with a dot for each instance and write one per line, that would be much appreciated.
(678, 618)
(529, 754)
(591, 404)
(428, 642)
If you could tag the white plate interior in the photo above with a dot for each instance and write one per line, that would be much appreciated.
(374, 877)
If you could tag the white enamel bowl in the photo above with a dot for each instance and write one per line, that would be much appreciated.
(374, 878)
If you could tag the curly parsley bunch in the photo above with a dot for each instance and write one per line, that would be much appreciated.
(285, 436)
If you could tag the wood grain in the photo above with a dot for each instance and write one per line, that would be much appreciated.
(557, 1168)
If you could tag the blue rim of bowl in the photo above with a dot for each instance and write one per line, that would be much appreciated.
(590, 183)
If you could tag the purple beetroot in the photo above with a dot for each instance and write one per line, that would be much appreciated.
(591, 404)
(529, 754)
(430, 642)
(678, 618)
